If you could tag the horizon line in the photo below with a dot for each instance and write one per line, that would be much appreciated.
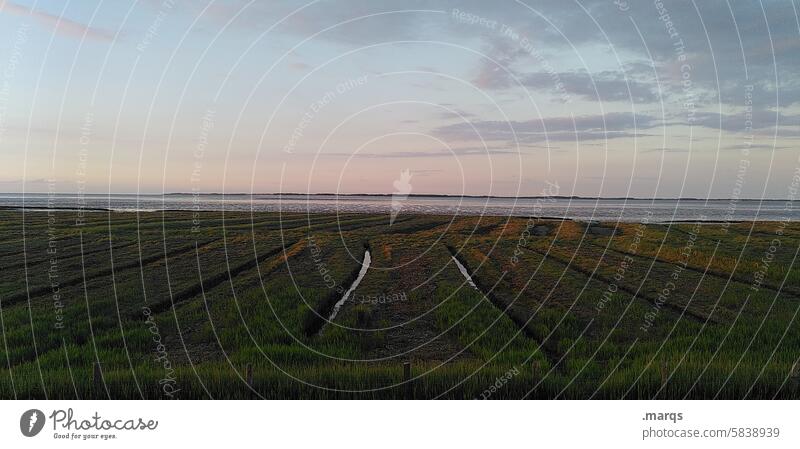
(411, 195)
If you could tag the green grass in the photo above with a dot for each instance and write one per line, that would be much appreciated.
(244, 293)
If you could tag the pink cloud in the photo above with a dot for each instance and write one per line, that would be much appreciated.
(61, 25)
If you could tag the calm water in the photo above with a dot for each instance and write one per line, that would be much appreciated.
(584, 209)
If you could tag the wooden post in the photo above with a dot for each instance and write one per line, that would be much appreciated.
(248, 375)
(664, 374)
(409, 387)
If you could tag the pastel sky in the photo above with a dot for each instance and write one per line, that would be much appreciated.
(602, 97)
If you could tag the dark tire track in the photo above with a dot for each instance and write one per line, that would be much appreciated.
(699, 317)
(13, 299)
(717, 274)
(29, 264)
(208, 284)
(548, 348)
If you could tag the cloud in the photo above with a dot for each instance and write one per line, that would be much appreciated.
(497, 72)
(453, 152)
(728, 44)
(761, 93)
(755, 147)
(664, 150)
(602, 86)
(612, 125)
(758, 119)
(24, 181)
(60, 25)
(457, 115)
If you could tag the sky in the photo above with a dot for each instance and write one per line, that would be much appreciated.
(597, 97)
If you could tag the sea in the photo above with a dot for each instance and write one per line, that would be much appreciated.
(602, 209)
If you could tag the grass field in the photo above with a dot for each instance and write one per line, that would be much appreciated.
(200, 306)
